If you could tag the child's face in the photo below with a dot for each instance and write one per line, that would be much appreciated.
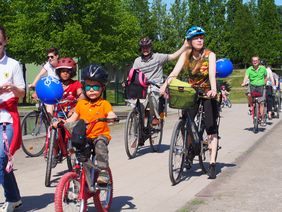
(65, 74)
(93, 89)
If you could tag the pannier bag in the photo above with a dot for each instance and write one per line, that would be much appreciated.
(136, 85)
(181, 94)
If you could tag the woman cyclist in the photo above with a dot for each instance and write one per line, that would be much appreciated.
(200, 64)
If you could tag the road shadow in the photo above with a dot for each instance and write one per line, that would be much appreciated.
(196, 170)
(142, 150)
(260, 129)
(122, 203)
(34, 203)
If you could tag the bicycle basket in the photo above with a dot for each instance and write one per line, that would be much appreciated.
(181, 95)
(256, 91)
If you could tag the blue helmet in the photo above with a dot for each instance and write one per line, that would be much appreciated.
(194, 31)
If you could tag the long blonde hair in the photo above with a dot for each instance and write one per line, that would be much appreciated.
(199, 62)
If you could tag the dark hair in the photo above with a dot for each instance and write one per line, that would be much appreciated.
(53, 50)
(3, 31)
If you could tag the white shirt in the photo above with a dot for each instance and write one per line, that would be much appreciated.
(10, 72)
(269, 76)
(51, 71)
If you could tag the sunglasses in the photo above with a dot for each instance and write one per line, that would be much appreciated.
(65, 70)
(50, 56)
(94, 87)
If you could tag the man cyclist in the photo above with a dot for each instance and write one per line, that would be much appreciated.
(151, 64)
(257, 74)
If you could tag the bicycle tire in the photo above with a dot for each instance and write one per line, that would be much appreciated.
(204, 156)
(103, 196)
(67, 193)
(132, 134)
(156, 136)
(34, 133)
(255, 118)
(276, 107)
(175, 172)
(50, 156)
(228, 103)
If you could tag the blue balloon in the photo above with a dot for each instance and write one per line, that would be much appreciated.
(224, 68)
(49, 90)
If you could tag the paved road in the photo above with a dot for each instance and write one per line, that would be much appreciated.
(142, 184)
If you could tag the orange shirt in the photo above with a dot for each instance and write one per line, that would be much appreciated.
(89, 112)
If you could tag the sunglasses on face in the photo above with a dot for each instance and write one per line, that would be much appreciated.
(65, 70)
(50, 57)
(94, 87)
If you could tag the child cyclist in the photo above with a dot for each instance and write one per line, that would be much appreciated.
(90, 109)
(66, 70)
(224, 93)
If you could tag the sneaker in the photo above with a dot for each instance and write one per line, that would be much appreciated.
(103, 178)
(211, 171)
(263, 123)
(10, 206)
(250, 112)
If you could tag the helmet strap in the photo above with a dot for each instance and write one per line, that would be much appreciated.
(147, 57)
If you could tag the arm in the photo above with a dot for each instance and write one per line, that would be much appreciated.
(245, 80)
(212, 72)
(176, 54)
(178, 67)
(39, 75)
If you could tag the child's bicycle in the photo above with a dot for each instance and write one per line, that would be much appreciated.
(139, 127)
(226, 103)
(58, 147)
(76, 187)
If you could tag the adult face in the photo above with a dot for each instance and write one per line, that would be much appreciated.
(255, 62)
(197, 42)
(3, 43)
(146, 50)
(53, 59)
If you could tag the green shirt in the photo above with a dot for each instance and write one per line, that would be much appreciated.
(257, 77)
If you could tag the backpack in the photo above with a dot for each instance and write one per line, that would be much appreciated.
(136, 85)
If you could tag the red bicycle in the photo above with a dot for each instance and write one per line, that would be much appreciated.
(76, 187)
(58, 146)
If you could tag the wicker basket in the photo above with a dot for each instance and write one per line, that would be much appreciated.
(181, 95)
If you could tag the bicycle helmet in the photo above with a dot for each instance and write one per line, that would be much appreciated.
(194, 31)
(145, 42)
(66, 63)
(96, 73)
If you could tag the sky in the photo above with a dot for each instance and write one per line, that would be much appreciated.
(277, 2)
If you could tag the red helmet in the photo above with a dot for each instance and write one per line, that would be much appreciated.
(66, 63)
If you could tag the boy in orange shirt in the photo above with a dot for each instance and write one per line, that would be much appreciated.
(89, 110)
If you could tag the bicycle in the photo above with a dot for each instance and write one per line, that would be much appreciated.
(255, 109)
(34, 127)
(76, 187)
(59, 145)
(182, 154)
(226, 103)
(139, 127)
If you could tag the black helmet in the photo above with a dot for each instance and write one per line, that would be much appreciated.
(96, 73)
(145, 42)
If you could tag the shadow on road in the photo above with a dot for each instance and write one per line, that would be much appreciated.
(122, 203)
(33, 203)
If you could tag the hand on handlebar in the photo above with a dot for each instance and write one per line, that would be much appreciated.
(58, 122)
(211, 93)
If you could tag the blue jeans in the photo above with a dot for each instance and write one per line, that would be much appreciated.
(8, 180)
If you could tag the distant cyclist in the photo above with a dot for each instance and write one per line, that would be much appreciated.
(257, 74)
(270, 90)
(200, 65)
(151, 64)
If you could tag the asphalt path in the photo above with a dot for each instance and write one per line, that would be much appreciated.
(142, 183)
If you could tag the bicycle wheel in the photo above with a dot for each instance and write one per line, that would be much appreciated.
(132, 134)
(103, 196)
(255, 117)
(34, 133)
(204, 156)
(228, 103)
(50, 156)
(156, 136)
(176, 153)
(67, 194)
(276, 107)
